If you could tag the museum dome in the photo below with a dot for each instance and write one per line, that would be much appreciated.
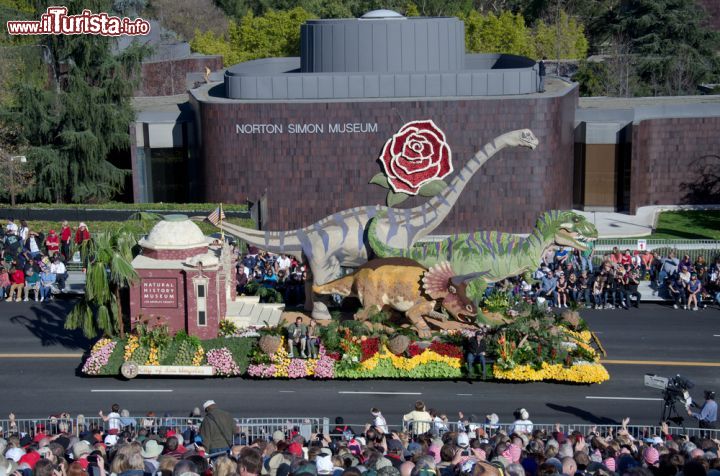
(382, 14)
(174, 232)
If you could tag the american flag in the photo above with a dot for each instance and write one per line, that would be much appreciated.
(216, 216)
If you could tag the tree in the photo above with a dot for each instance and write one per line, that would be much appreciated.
(675, 50)
(71, 125)
(109, 271)
(184, 18)
(504, 33)
(277, 33)
(566, 40)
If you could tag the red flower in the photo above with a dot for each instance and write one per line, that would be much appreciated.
(414, 349)
(334, 355)
(447, 350)
(415, 155)
(369, 348)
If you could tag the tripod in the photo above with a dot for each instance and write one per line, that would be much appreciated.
(669, 412)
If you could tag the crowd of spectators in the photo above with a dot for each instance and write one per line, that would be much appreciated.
(567, 278)
(428, 446)
(33, 263)
(283, 273)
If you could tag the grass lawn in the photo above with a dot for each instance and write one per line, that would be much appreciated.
(693, 225)
(136, 227)
(169, 207)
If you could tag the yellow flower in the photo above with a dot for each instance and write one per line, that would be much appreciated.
(578, 373)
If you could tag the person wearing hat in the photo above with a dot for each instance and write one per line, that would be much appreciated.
(522, 423)
(82, 234)
(476, 353)
(217, 429)
(707, 417)
(150, 454)
(52, 243)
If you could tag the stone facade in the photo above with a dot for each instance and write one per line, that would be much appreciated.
(167, 78)
(309, 176)
(671, 158)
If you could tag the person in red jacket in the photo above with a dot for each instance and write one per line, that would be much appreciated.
(52, 243)
(82, 234)
(17, 280)
(65, 237)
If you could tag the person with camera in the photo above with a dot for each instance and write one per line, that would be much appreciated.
(217, 429)
(707, 417)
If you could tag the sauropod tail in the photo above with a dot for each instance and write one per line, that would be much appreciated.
(341, 286)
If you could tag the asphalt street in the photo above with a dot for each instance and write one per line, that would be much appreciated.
(39, 364)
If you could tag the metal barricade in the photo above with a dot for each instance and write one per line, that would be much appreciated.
(263, 428)
(693, 248)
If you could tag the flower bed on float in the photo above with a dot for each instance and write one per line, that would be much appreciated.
(535, 346)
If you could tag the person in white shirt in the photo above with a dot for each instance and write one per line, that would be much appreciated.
(522, 423)
(11, 226)
(379, 421)
(57, 267)
(23, 230)
(284, 263)
(112, 419)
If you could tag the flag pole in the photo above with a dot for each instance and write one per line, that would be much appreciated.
(222, 232)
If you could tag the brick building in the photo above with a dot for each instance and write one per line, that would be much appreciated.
(302, 135)
(184, 278)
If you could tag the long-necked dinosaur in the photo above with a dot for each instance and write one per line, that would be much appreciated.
(339, 240)
(490, 256)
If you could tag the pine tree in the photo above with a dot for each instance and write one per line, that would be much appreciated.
(676, 51)
(71, 125)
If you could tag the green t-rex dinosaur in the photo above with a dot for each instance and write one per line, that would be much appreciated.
(486, 257)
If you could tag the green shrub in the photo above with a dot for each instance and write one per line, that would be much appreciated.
(116, 360)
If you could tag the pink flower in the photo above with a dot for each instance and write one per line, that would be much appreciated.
(222, 362)
(297, 368)
(325, 367)
(99, 357)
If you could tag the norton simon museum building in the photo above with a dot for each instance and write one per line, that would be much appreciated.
(302, 135)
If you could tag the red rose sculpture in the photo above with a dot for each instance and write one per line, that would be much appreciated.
(416, 155)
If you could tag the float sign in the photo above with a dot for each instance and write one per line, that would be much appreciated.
(159, 292)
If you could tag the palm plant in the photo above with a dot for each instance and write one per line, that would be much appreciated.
(109, 270)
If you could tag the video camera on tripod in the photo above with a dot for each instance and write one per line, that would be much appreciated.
(675, 390)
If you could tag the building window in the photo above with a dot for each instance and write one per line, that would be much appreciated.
(201, 304)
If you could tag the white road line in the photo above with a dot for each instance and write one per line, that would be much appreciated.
(626, 398)
(129, 390)
(716, 335)
(380, 393)
(464, 394)
(286, 391)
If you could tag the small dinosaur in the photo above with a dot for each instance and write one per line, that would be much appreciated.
(487, 257)
(403, 285)
(339, 240)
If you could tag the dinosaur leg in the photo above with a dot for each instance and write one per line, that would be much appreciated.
(416, 315)
(322, 273)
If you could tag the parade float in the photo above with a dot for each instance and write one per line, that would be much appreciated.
(419, 301)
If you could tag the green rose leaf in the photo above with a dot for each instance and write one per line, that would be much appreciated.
(431, 189)
(394, 198)
(380, 179)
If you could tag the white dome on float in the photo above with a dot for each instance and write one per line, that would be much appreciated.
(174, 232)
(383, 13)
